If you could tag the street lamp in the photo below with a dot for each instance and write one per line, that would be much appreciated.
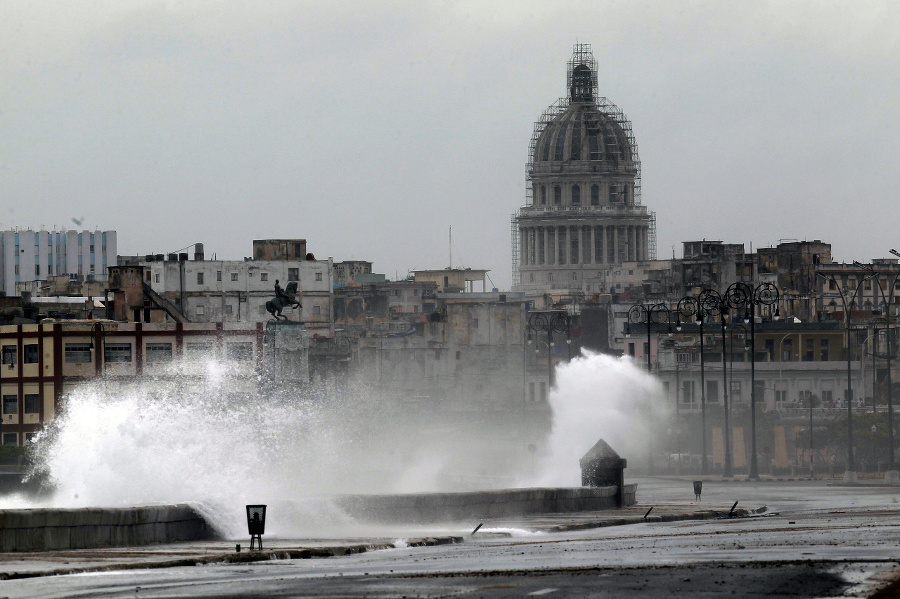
(645, 313)
(692, 307)
(886, 301)
(739, 331)
(743, 296)
(850, 474)
(553, 321)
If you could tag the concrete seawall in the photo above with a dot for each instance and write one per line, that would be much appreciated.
(453, 507)
(55, 529)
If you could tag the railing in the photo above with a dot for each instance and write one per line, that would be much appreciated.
(624, 209)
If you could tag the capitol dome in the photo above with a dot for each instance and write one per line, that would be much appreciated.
(583, 212)
(583, 133)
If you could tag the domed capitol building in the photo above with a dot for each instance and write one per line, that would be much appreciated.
(583, 213)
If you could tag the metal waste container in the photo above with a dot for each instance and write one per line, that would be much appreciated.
(256, 524)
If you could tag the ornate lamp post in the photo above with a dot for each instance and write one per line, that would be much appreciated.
(645, 313)
(743, 296)
(739, 331)
(692, 307)
(850, 474)
(552, 321)
(886, 302)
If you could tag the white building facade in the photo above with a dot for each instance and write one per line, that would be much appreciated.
(237, 290)
(28, 255)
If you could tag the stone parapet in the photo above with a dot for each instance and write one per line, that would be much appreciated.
(57, 529)
(453, 507)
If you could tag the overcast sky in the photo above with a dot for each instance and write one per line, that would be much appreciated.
(371, 128)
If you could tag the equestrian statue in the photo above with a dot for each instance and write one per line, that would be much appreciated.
(283, 298)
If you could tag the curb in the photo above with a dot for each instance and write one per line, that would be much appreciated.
(705, 515)
(237, 558)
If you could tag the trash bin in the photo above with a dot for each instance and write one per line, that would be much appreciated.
(698, 488)
(256, 524)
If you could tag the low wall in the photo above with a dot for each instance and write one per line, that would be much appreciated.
(54, 529)
(508, 503)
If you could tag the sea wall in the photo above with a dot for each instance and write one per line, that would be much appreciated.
(55, 529)
(507, 503)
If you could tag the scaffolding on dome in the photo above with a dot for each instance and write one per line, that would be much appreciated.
(582, 54)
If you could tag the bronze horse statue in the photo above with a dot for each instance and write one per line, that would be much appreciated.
(283, 299)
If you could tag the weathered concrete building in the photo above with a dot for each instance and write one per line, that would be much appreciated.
(237, 290)
(583, 207)
(454, 280)
(43, 362)
(346, 272)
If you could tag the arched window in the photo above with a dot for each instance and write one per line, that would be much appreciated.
(557, 194)
(595, 195)
(576, 194)
(543, 194)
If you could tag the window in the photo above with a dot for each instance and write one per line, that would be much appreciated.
(827, 396)
(318, 276)
(228, 309)
(32, 403)
(10, 404)
(317, 310)
(159, 352)
(30, 353)
(241, 351)
(78, 353)
(595, 195)
(10, 438)
(199, 278)
(9, 355)
(543, 387)
(787, 351)
(156, 277)
(219, 275)
(557, 194)
(543, 194)
(37, 269)
(475, 322)
(576, 194)
(687, 392)
(198, 347)
(234, 276)
(200, 310)
(117, 353)
(293, 274)
(631, 349)
(809, 355)
(531, 391)
(263, 276)
(613, 193)
(823, 350)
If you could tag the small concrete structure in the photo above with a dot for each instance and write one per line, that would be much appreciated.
(601, 466)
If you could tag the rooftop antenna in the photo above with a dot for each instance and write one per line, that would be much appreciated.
(450, 245)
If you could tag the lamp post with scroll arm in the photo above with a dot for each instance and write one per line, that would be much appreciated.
(744, 296)
(693, 308)
(850, 474)
(645, 313)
